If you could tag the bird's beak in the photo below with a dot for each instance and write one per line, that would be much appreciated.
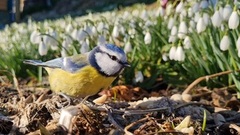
(126, 64)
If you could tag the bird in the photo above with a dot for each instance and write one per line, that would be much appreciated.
(83, 75)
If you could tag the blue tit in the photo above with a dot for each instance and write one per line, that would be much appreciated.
(86, 74)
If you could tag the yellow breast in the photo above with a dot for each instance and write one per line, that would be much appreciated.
(86, 81)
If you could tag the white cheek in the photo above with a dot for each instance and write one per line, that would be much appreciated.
(106, 64)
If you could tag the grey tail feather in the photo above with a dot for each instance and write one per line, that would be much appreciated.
(33, 62)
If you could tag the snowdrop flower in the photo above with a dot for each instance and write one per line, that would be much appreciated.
(216, 19)
(88, 30)
(101, 40)
(94, 31)
(172, 38)
(197, 16)
(100, 27)
(180, 55)
(225, 43)
(144, 15)
(233, 21)
(192, 24)
(164, 57)
(169, 9)
(147, 38)
(128, 47)
(115, 32)
(81, 35)
(135, 12)
(206, 18)
(238, 43)
(180, 7)
(171, 23)
(204, 4)
(35, 37)
(42, 48)
(69, 28)
(138, 77)
(187, 42)
(227, 10)
(74, 34)
(201, 26)
(182, 30)
(195, 7)
(84, 47)
(174, 31)
(190, 12)
(183, 14)
(172, 53)
(160, 12)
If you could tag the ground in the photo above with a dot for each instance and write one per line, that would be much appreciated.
(30, 108)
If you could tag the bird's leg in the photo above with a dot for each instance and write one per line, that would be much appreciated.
(83, 100)
(69, 101)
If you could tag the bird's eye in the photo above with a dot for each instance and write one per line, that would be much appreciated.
(113, 57)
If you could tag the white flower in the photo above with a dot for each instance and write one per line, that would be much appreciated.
(148, 38)
(160, 11)
(69, 28)
(179, 7)
(128, 47)
(81, 35)
(42, 48)
(164, 57)
(138, 77)
(201, 26)
(206, 18)
(204, 4)
(180, 55)
(195, 7)
(84, 47)
(101, 40)
(238, 43)
(172, 38)
(169, 9)
(225, 43)
(216, 19)
(172, 53)
(115, 32)
(74, 34)
(174, 31)
(187, 42)
(233, 21)
(94, 31)
(144, 15)
(197, 16)
(35, 37)
(190, 12)
(227, 10)
(88, 30)
(171, 22)
(100, 27)
(182, 30)
(64, 52)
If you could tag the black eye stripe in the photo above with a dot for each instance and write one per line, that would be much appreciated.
(114, 58)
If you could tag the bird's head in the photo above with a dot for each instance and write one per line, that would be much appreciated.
(108, 59)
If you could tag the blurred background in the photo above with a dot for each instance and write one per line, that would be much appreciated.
(20, 10)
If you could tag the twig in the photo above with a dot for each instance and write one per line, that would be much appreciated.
(132, 124)
(207, 77)
(111, 120)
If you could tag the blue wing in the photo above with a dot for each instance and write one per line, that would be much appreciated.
(70, 64)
